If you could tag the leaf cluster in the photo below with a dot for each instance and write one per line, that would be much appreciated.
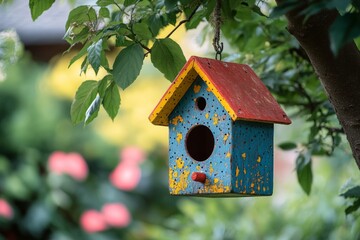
(354, 194)
(131, 28)
(344, 29)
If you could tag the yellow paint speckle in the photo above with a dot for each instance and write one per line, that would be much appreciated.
(258, 188)
(211, 169)
(243, 156)
(179, 137)
(181, 184)
(264, 189)
(215, 119)
(228, 154)
(244, 170)
(207, 115)
(176, 120)
(216, 180)
(226, 136)
(198, 168)
(208, 89)
(237, 171)
(197, 88)
(175, 174)
(258, 159)
(252, 185)
(179, 163)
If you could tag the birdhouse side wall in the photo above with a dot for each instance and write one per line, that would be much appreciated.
(196, 119)
(252, 165)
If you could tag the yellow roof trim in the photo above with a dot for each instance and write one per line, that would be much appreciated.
(173, 95)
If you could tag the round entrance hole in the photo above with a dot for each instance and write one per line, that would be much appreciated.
(200, 103)
(200, 143)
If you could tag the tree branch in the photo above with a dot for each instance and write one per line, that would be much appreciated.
(184, 21)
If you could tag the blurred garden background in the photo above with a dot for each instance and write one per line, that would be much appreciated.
(109, 180)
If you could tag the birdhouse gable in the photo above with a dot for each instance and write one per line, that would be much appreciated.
(236, 86)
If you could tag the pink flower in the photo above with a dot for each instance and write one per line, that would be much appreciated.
(5, 209)
(132, 155)
(125, 176)
(92, 221)
(72, 164)
(57, 162)
(76, 166)
(116, 215)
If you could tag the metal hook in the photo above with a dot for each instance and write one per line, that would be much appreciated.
(219, 48)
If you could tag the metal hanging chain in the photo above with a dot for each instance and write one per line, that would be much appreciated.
(218, 46)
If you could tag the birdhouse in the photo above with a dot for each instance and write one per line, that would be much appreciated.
(221, 124)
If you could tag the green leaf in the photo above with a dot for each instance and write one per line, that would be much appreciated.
(111, 100)
(355, 206)
(155, 24)
(285, 7)
(196, 19)
(78, 15)
(129, 2)
(81, 53)
(104, 3)
(103, 84)
(344, 29)
(356, 4)
(94, 55)
(104, 12)
(170, 4)
(84, 96)
(286, 146)
(37, 7)
(142, 30)
(92, 16)
(352, 193)
(304, 172)
(93, 110)
(127, 65)
(167, 56)
(84, 65)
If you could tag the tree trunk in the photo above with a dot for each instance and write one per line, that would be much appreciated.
(339, 75)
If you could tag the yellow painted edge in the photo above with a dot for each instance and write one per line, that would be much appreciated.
(179, 86)
(214, 90)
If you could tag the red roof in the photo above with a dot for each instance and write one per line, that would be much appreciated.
(237, 87)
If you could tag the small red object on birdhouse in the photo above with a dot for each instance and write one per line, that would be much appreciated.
(198, 177)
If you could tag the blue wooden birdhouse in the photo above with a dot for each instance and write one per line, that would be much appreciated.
(220, 117)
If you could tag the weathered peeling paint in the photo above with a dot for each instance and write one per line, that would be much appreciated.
(211, 169)
(197, 88)
(176, 120)
(215, 119)
(233, 167)
(226, 136)
(241, 93)
(179, 163)
(179, 137)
